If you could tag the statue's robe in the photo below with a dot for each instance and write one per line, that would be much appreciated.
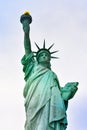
(45, 108)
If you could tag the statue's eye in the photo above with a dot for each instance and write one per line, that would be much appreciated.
(42, 54)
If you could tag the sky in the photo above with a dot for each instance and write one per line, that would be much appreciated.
(63, 22)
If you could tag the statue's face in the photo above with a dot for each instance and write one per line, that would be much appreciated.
(43, 57)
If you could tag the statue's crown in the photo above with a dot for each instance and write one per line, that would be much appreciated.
(44, 49)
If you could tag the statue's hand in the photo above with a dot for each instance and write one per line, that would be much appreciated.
(26, 27)
(69, 90)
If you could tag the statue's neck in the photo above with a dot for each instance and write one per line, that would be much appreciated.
(45, 64)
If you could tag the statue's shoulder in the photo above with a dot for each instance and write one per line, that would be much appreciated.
(26, 59)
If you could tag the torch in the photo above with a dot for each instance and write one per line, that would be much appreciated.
(26, 19)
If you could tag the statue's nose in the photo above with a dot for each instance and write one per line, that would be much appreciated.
(44, 56)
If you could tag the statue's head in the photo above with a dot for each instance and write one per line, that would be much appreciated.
(43, 55)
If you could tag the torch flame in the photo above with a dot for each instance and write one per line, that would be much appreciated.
(27, 12)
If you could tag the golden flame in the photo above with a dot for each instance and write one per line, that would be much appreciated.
(27, 12)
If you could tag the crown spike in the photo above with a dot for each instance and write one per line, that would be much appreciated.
(50, 46)
(54, 57)
(37, 46)
(44, 44)
(53, 52)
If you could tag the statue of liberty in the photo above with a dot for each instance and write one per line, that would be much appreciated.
(46, 101)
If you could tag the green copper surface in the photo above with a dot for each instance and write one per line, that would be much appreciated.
(46, 101)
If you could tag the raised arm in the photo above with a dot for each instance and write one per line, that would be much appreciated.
(26, 19)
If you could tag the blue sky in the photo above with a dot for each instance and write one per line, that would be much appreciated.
(62, 22)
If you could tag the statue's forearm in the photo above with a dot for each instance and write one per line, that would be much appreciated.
(27, 43)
